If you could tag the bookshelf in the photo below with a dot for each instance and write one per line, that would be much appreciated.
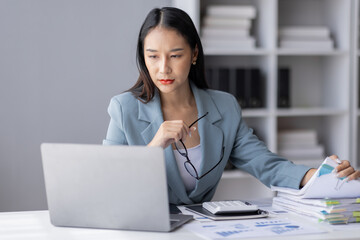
(324, 83)
(355, 76)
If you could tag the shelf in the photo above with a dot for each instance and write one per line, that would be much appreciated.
(234, 52)
(230, 174)
(303, 52)
(293, 112)
(280, 52)
(262, 112)
(314, 74)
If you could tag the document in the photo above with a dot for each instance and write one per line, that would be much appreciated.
(334, 214)
(250, 228)
(325, 184)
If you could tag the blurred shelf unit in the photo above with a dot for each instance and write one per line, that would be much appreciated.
(305, 55)
(355, 84)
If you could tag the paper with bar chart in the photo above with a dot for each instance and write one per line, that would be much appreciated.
(325, 184)
(250, 228)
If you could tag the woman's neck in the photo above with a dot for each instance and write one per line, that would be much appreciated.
(182, 98)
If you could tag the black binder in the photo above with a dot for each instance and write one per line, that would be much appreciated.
(209, 76)
(256, 88)
(284, 88)
(242, 91)
(224, 79)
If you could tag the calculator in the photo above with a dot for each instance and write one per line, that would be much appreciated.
(222, 207)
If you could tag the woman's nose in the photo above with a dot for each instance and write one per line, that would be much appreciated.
(164, 66)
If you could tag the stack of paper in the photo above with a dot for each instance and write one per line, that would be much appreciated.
(333, 211)
(301, 147)
(305, 37)
(228, 27)
(325, 197)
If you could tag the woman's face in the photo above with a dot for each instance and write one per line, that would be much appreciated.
(168, 58)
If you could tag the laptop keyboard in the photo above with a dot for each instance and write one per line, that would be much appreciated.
(173, 221)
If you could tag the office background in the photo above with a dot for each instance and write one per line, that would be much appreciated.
(62, 60)
(60, 63)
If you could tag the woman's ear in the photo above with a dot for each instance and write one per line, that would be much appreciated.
(195, 54)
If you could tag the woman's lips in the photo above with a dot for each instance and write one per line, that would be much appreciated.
(166, 81)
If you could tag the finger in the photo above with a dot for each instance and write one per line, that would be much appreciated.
(335, 158)
(168, 142)
(173, 125)
(345, 172)
(343, 165)
(172, 133)
(180, 130)
(193, 129)
(184, 134)
(353, 176)
(178, 124)
(176, 129)
(187, 129)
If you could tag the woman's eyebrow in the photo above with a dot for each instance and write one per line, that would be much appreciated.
(151, 50)
(176, 49)
(172, 50)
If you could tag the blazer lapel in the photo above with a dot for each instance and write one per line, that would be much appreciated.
(211, 140)
(151, 113)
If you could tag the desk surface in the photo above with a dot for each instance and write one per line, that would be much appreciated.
(36, 225)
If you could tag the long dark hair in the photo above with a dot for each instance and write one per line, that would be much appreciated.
(172, 18)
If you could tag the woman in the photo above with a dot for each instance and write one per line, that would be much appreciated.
(200, 129)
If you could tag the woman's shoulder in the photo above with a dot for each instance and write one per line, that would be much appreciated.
(125, 100)
(220, 96)
(225, 102)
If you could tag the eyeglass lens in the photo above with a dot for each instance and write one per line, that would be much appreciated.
(180, 147)
(191, 169)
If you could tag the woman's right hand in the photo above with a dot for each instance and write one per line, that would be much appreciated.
(170, 132)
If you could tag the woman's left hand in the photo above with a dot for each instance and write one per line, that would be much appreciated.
(344, 169)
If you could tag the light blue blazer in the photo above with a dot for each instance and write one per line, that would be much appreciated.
(135, 123)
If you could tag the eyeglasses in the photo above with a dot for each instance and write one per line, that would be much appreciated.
(190, 168)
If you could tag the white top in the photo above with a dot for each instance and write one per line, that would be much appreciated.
(195, 157)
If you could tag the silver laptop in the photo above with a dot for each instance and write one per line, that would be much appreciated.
(114, 187)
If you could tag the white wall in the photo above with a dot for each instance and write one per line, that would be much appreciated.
(60, 63)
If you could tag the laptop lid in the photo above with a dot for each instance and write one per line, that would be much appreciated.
(115, 187)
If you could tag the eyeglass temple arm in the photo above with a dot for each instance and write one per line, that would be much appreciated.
(198, 119)
(222, 155)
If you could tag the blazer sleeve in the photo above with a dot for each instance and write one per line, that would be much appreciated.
(115, 133)
(251, 155)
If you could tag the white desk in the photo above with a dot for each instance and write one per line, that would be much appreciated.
(35, 225)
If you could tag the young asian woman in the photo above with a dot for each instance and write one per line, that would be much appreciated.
(200, 129)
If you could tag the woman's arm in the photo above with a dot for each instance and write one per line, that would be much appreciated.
(307, 177)
(115, 134)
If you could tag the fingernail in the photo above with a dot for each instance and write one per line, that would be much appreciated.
(338, 175)
(194, 128)
(190, 133)
(334, 171)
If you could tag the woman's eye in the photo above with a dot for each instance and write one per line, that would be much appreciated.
(175, 56)
(152, 56)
